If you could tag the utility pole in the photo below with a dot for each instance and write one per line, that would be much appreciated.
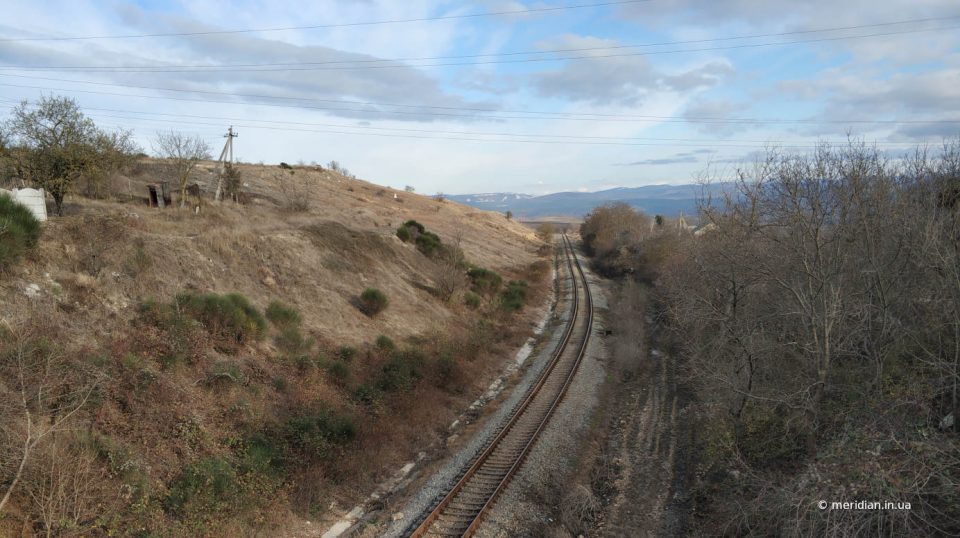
(225, 160)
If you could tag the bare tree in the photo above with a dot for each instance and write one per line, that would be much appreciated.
(184, 153)
(451, 271)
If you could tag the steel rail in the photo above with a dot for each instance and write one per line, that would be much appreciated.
(496, 475)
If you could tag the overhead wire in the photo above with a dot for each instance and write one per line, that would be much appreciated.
(512, 53)
(540, 115)
(544, 9)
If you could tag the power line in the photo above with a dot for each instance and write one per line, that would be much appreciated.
(709, 144)
(237, 121)
(464, 56)
(542, 115)
(336, 25)
(525, 60)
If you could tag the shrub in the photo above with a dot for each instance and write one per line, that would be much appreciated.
(429, 244)
(230, 317)
(410, 230)
(282, 315)
(261, 455)
(414, 224)
(346, 353)
(205, 487)
(291, 342)
(338, 370)
(368, 394)
(372, 301)
(514, 296)
(314, 435)
(385, 343)
(472, 300)
(181, 340)
(400, 372)
(484, 281)
(19, 230)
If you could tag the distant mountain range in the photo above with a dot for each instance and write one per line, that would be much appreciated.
(666, 200)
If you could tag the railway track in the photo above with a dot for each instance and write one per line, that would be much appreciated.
(464, 506)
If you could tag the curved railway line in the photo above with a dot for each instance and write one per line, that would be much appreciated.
(462, 509)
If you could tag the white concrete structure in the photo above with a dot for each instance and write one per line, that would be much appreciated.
(32, 198)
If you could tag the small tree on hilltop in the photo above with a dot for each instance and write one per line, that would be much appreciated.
(184, 153)
(55, 144)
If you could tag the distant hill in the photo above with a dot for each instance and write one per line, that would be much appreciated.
(667, 200)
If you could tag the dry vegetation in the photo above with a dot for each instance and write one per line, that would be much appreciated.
(817, 323)
(181, 373)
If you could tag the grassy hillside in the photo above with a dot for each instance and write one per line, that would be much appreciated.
(214, 372)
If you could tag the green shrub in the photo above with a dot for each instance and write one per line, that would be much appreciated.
(261, 455)
(203, 488)
(180, 343)
(373, 301)
(385, 343)
(404, 234)
(414, 225)
(472, 300)
(484, 281)
(368, 394)
(338, 371)
(346, 353)
(514, 296)
(400, 372)
(19, 230)
(230, 317)
(282, 315)
(429, 244)
(291, 342)
(314, 435)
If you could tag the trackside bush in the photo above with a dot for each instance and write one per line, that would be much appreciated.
(472, 300)
(203, 488)
(373, 301)
(229, 317)
(316, 434)
(19, 230)
(484, 281)
(514, 296)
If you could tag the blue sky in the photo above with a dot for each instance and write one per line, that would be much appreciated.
(558, 101)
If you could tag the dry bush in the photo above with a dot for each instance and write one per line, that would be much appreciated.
(296, 192)
(42, 392)
(66, 488)
(578, 509)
